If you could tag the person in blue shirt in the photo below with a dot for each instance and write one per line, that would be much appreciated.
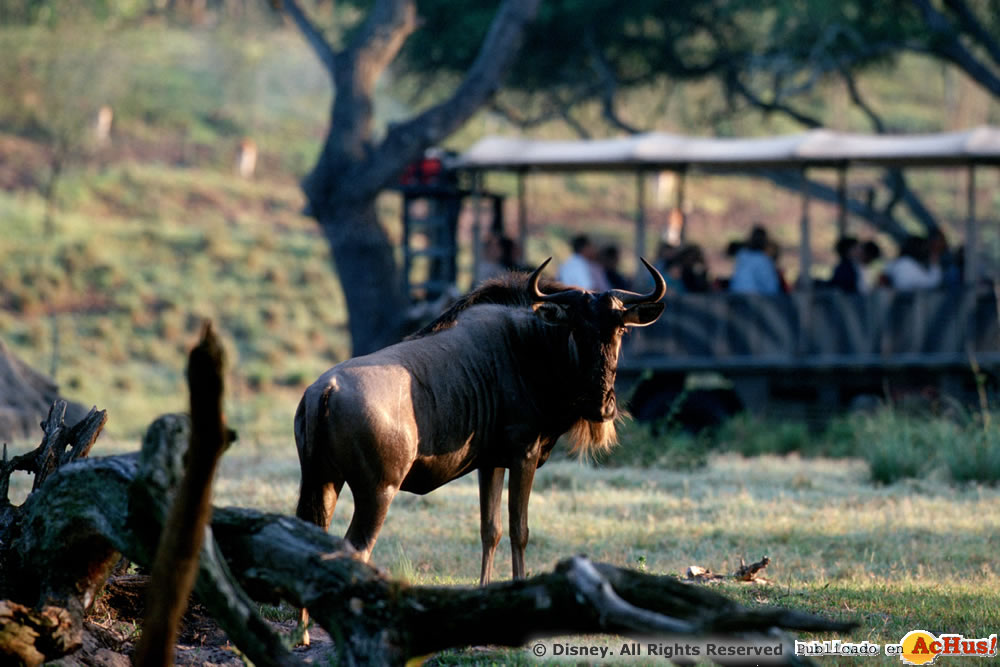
(754, 271)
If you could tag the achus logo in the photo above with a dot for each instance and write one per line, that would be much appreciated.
(919, 647)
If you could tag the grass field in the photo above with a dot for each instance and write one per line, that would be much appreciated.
(913, 555)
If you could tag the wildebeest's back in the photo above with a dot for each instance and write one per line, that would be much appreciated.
(426, 410)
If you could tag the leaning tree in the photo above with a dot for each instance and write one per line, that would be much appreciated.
(354, 165)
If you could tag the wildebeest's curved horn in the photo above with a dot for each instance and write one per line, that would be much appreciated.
(659, 289)
(539, 295)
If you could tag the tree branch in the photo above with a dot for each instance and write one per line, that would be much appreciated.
(609, 85)
(858, 101)
(320, 46)
(946, 45)
(355, 73)
(555, 107)
(734, 84)
(381, 37)
(501, 45)
(971, 24)
(792, 180)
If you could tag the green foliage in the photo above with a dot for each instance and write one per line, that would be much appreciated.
(895, 444)
(54, 12)
(975, 457)
(752, 436)
(772, 55)
(637, 447)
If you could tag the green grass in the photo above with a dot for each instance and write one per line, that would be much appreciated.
(892, 557)
(913, 555)
(895, 445)
(119, 302)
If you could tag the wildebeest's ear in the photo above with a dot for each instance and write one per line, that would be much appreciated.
(551, 313)
(643, 314)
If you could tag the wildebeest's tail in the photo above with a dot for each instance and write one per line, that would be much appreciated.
(310, 442)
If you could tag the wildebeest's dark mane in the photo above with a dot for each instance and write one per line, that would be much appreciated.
(510, 289)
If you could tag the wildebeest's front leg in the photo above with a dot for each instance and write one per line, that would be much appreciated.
(490, 493)
(522, 475)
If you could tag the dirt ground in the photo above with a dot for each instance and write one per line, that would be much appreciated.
(110, 638)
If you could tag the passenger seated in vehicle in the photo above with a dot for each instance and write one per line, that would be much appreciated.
(694, 269)
(917, 267)
(754, 271)
(847, 275)
(608, 260)
(490, 264)
(581, 269)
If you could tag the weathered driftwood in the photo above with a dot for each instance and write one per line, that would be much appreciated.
(60, 445)
(60, 580)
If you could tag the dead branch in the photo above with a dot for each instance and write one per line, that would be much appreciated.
(60, 445)
(750, 572)
(176, 563)
(157, 475)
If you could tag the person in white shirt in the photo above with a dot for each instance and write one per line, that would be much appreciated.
(581, 269)
(915, 268)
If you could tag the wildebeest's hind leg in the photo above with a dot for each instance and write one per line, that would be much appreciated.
(518, 490)
(371, 504)
(317, 499)
(490, 492)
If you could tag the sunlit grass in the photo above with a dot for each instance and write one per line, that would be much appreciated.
(916, 554)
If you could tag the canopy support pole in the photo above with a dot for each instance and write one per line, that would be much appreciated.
(971, 231)
(477, 223)
(522, 216)
(842, 201)
(678, 224)
(805, 241)
(640, 213)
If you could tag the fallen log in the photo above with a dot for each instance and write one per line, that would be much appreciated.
(374, 620)
(57, 549)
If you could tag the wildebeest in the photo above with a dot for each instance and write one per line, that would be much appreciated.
(490, 385)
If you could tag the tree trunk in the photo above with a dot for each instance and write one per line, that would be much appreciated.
(352, 168)
(363, 255)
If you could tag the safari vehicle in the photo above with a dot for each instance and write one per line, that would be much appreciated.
(813, 350)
